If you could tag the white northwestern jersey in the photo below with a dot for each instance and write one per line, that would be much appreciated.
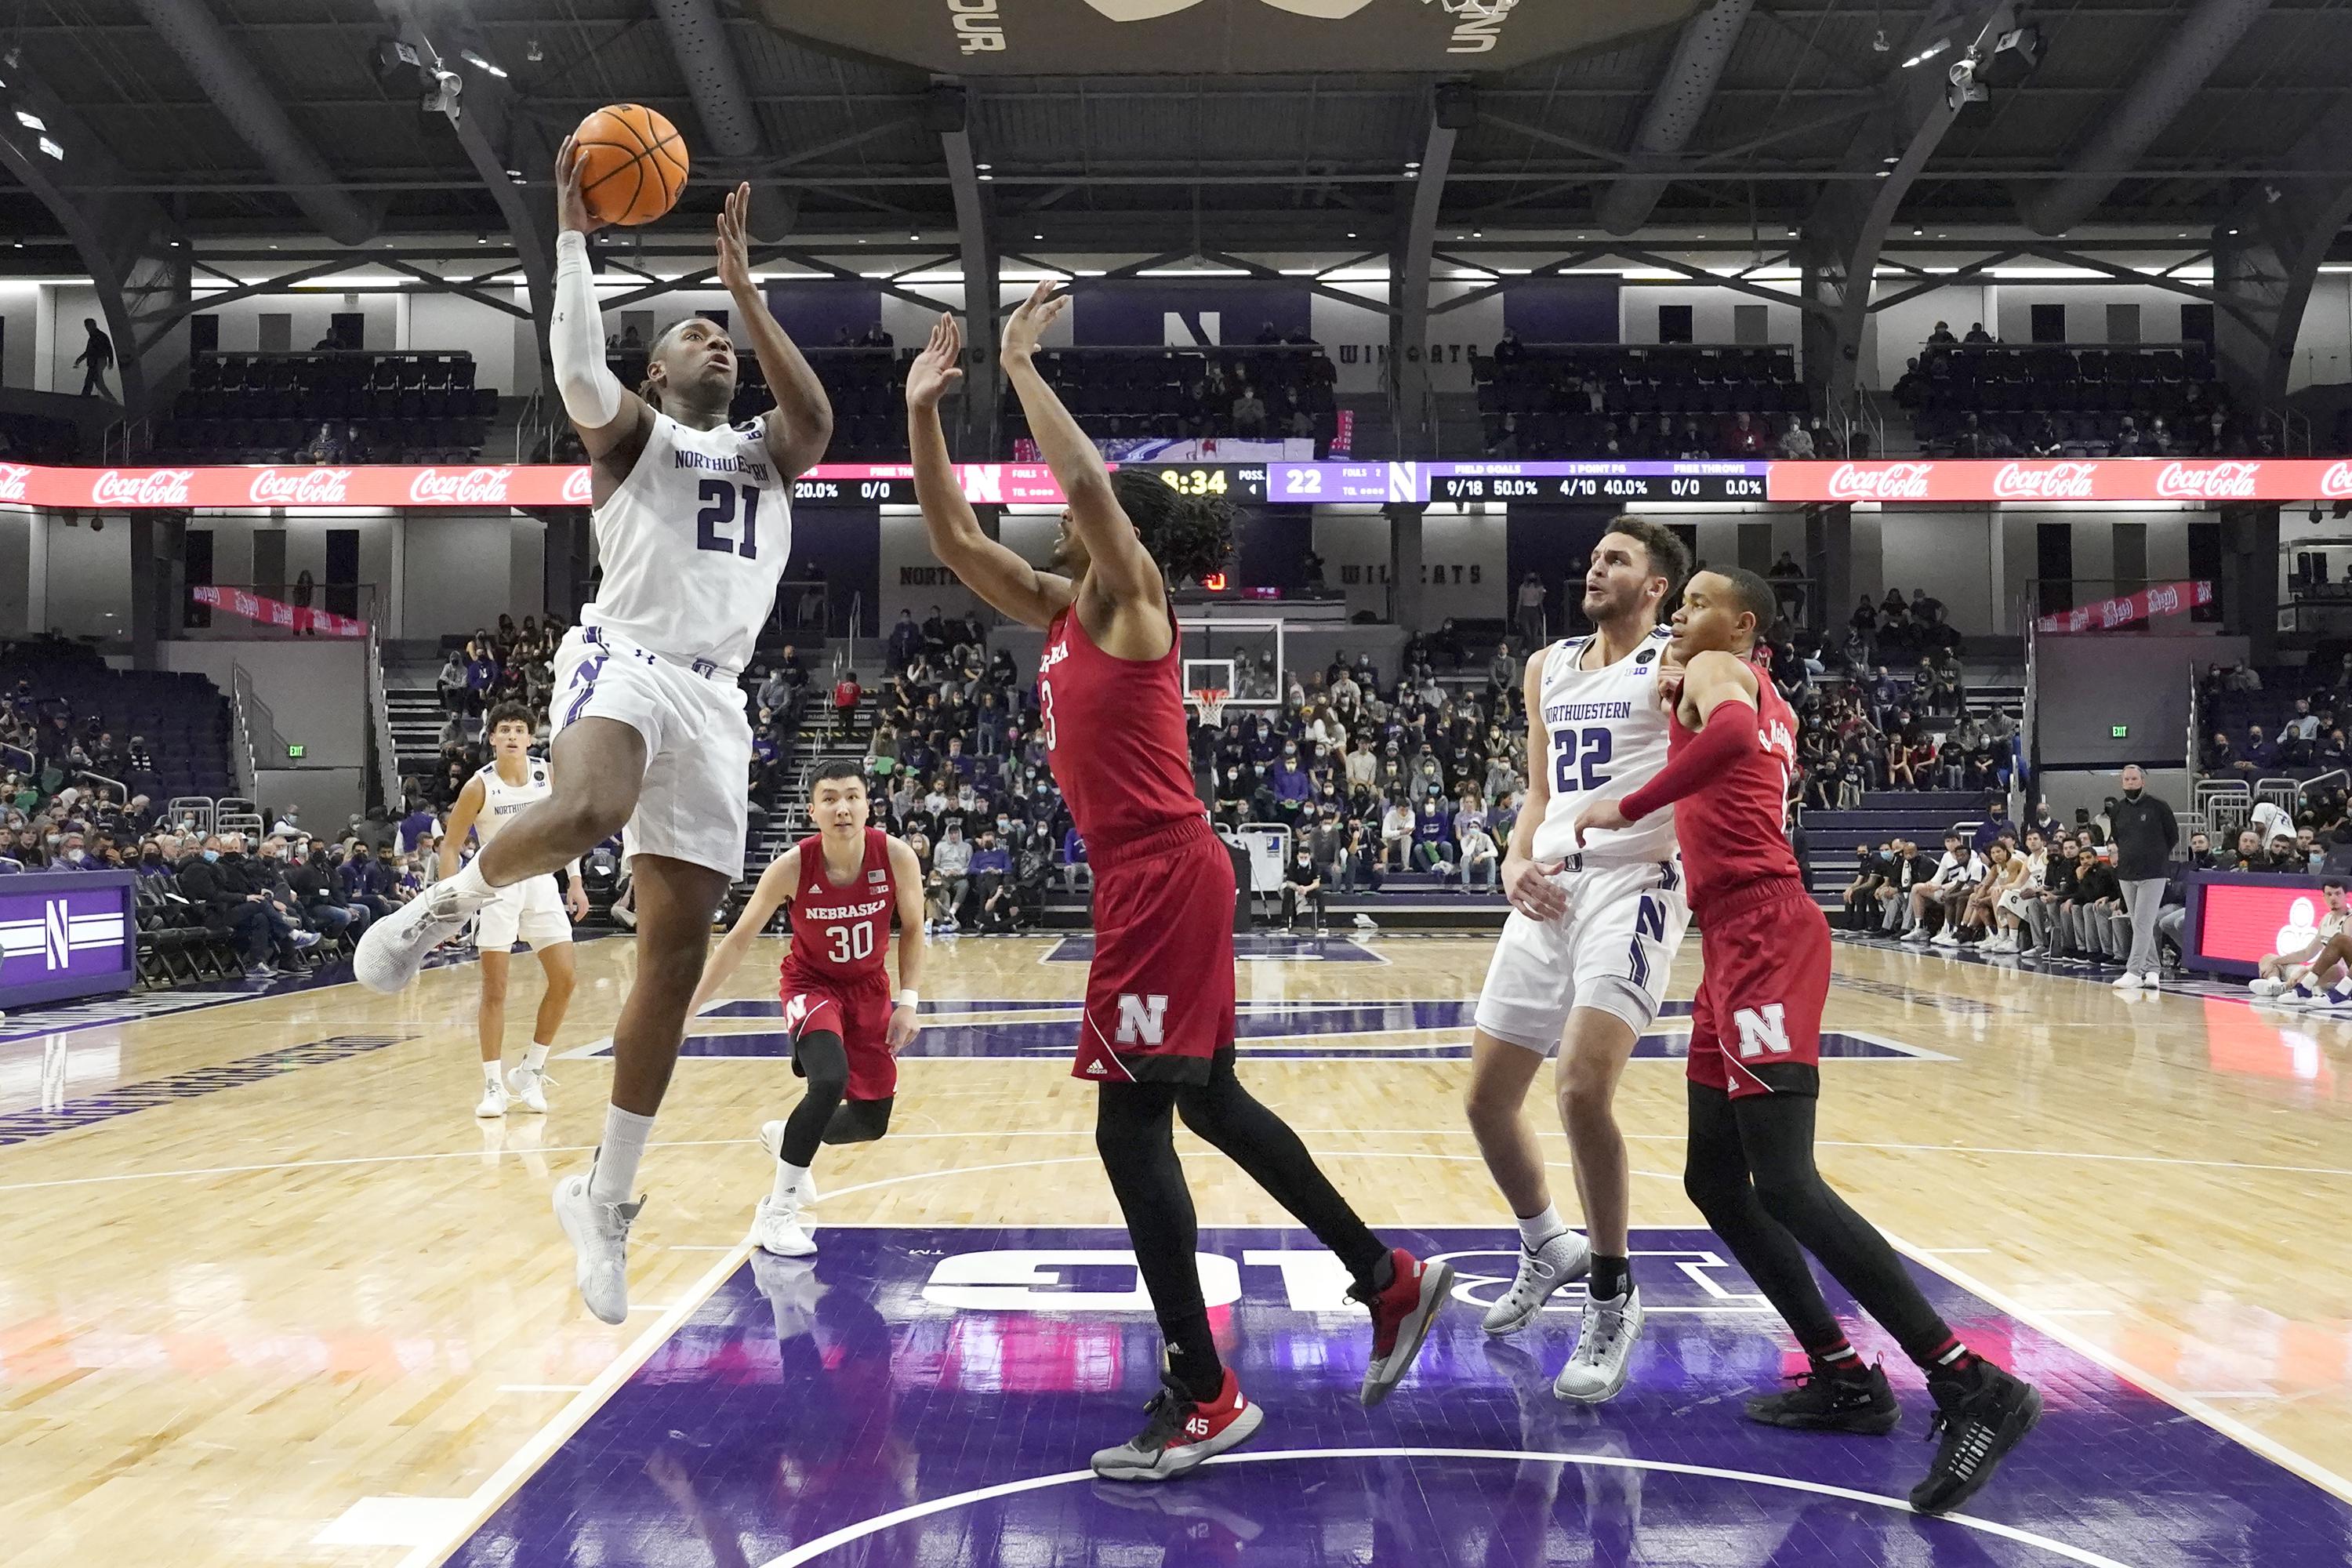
(501, 800)
(1606, 736)
(693, 543)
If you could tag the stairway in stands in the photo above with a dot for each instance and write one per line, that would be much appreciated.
(412, 703)
(1922, 816)
(820, 740)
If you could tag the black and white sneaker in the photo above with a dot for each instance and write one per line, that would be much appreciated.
(1982, 1413)
(1829, 1401)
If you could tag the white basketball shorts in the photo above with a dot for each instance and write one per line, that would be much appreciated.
(1609, 951)
(531, 911)
(691, 806)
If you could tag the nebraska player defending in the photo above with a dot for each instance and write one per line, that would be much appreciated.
(1581, 965)
(846, 1030)
(1158, 1035)
(1754, 1054)
(693, 519)
(533, 911)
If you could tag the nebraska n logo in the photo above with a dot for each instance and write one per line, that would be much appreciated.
(1762, 1029)
(1142, 1020)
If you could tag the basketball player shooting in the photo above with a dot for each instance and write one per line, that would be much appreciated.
(531, 910)
(1581, 966)
(693, 519)
(846, 1030)
(1157, 1038)
(1755, 1050)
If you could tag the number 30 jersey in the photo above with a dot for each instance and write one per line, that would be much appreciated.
(840, 931)
(1605, 735)
(693, 543)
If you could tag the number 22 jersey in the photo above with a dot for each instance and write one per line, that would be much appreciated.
(1605, 736)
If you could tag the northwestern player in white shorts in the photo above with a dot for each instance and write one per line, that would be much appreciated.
(1581, 965)
(693, 521)
(532, 910)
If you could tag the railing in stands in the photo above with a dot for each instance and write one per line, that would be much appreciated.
(2283, 792)
(2339, 778)
(2223, 804)
(237, 814)
(384, 755)
(198, 812)
(125, 440)
(121, 791)
(256, 730)
(31, 762)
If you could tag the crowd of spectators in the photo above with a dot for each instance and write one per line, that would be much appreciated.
(1971, 396)
(1279, 388)
(2305, 734)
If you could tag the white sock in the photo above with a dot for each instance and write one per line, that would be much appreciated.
(470, 883)
(611, 1179)
(536, 1058)
(490, 1074)
(1537, 1229)
(789, 1180)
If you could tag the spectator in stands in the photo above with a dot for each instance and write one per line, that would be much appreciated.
(1302, 888)
(2262, 756)
(2097, 902)
(1508, 350)
(1928, 894)
(991, 882)
(1433, 834)
(97, 357)
(1530, 612)
(1746, 438)
(1398, 826)
(1942, 335)
(1977, 333)
(1905, 873)
(1796, 441)
(950, 880)
(1075, 868)
(1249, 414)
(846, 694)
(906, 641)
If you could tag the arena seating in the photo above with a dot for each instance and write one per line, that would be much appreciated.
(1174, 394)
(329, 405)
(182, 716)
(1572, 400)
(2072, 400)
(864, 385)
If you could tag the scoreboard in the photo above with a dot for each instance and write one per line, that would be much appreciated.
(1621, 483)
(1608, 482)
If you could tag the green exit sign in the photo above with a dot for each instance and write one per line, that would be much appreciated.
(293, 751)
(2118, 731)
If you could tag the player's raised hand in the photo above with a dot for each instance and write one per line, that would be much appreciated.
(1026, 328)
(571, 212)
(1597, 816)
(1528, 884)
(902, 1031)
(938, 367)
(734, 246)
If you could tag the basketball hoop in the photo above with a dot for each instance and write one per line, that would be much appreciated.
(1208, 701)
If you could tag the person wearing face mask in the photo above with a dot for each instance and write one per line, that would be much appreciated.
(219, 891)
(1302, 888)
(2145, 831)
(1290, 784)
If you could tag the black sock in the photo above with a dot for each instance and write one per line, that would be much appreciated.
(1192, 1357)
(1611, 1277)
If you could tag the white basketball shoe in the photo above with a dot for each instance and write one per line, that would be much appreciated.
(1565, 1258)
(1604, 1349)
(599, 1244)
(529, 1086)
(393, 950)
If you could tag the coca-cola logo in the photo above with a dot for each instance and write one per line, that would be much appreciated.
(459, 487)
(2163, 601)
(301, 487)
(1887, 481)
(154, 486)
(2337, 482)
(2207, 481)
(12, 482)
(2053, 481)
(575, 487)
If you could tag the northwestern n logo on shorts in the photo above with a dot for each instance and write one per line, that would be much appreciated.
(1142, 1020)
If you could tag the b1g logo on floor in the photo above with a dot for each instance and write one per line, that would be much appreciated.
(1762, 1030)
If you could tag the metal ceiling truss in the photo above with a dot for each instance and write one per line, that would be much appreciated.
(2266, 258)
(1409, 280)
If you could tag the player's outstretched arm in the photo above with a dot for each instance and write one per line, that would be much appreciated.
(1011, 585)
(613, 422)
(461, 822)
(1121, 568)
(774, 887)
(1720, 688)
(906, 876)
(800, 426)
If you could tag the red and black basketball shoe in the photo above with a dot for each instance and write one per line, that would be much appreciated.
(1401, 1313)
(1828, 1399)
(1180, 1433)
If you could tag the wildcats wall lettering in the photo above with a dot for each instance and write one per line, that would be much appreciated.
(1472, 572)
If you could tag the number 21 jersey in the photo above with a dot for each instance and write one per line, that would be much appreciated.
(693, 543)
(1605, 736)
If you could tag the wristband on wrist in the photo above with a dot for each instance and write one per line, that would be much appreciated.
(910, 997)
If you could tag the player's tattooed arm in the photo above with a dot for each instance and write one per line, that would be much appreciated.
(773, 889)
(906, 877)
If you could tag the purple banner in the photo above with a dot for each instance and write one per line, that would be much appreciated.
(65, 933)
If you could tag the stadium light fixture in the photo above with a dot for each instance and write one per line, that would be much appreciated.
(29, 121)
(53, 150)
(533, 53)
(1930, 53)
(478, 63)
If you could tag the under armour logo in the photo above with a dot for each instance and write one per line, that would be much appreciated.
(1146, 10)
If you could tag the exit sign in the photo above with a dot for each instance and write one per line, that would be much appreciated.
(293, 751)
(2118, 731)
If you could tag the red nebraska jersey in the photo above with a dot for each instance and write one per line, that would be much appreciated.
(841, 930)
(1115, 734)
(1732, 829)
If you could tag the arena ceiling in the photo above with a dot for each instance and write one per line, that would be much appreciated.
(1253, 146)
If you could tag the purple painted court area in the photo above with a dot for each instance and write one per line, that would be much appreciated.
(929, 1397)
(1247, 946)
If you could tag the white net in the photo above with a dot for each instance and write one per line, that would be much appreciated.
(1245, 660)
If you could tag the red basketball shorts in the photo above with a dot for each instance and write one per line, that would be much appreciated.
(1756, 1027)
(1160, 995)
(857, 1008)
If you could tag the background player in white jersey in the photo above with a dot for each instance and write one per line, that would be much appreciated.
(1581, 965)
(693, 521)
(533, 911)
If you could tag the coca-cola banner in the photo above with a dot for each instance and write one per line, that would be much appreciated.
(270, 612)
(2065, 479)
(2127, 609)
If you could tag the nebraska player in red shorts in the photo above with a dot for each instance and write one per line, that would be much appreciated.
(846, 1029)
(1158, 1035)
(1755, 1050)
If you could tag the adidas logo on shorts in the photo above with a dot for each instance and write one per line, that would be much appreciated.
(1094, 1068)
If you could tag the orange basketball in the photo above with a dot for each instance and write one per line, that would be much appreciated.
(632, 163)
